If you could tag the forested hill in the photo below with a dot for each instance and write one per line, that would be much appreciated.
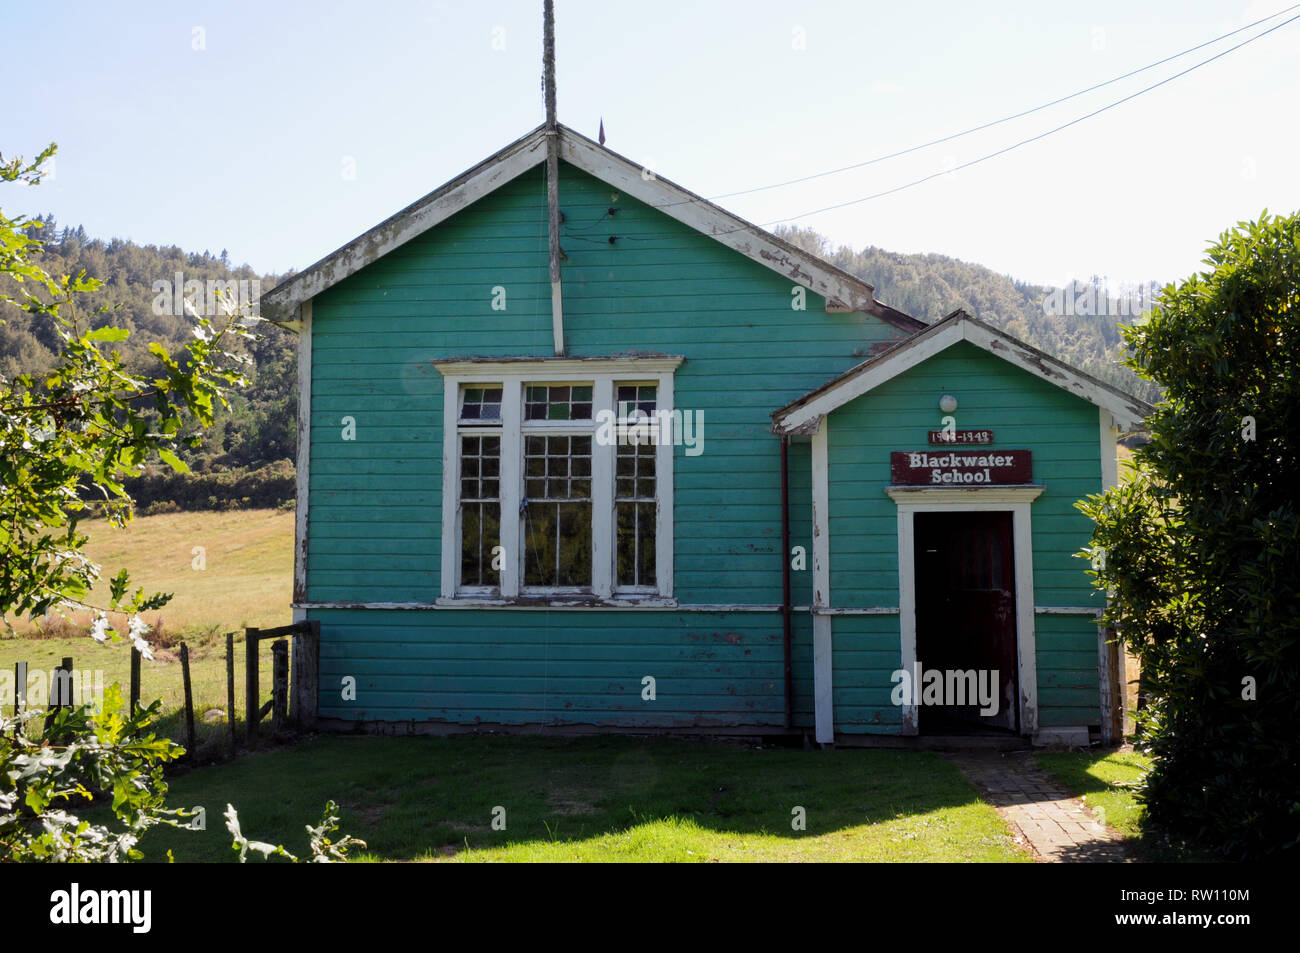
(932, 286)
(260, 428)
(246, 459)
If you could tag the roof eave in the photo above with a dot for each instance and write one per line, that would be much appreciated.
(281, 303)
(800, 414)
(841, 290)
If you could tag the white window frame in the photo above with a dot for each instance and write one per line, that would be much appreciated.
(604, 374)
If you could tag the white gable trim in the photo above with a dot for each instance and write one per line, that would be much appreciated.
(1127, 411)
(842, 291)
(282, 302)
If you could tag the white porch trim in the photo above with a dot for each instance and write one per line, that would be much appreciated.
(1016, 500)
(1127, 410)
(1109, 435)
(823, 693)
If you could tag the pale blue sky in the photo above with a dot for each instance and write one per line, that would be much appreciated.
(243, 144)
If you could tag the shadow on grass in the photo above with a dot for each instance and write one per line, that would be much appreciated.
(1111, 780)
(608, 798)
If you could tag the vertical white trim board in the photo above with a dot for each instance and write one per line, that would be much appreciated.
(303, 474)
(823, 651)
(510, 490)
(664, 539)
(603, 544)
(1109, 436)
(907, 610)
(450, 484)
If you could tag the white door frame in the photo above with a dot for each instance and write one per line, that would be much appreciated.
(1013, 499)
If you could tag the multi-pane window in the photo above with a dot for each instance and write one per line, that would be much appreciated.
(557, 402)
(481, 404)
(635, 490)
(480, 509)
(545, 501)
(635, 400)
(557, 510)
(480, 485)
(635, 507)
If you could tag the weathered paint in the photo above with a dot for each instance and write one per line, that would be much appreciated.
(839, 290)
(376, 502)
(1127, 410)
(561, 668)
(681, 279)
(302, 514)
(1025, 411)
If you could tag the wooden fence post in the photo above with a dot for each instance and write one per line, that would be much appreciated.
(1117, 687)
(189, 702)
(305, 683)
(279, 684)
(135, 680)
(230, 687)
(60, 689)
(20, 689)
(65, 682)
(251, 693)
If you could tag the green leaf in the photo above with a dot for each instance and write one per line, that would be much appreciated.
(108, 334)
(175, 462)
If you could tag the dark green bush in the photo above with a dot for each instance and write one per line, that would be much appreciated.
(1202, 550)
(214, 488)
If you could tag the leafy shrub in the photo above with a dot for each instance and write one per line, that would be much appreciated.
(157, 490)
(83, 755)
(1201, 551)
(86, 755)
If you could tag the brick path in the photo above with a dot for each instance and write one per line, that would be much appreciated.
(1056, 826)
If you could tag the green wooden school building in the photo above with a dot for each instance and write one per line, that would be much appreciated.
(704, 483)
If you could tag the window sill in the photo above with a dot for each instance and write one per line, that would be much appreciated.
(565, 601)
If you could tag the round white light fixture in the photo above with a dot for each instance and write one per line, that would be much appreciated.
(947, 403)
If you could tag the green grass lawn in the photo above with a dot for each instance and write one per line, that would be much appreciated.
(593, 799)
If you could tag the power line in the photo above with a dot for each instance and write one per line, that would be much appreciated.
(1024, 142)
(1004, 119)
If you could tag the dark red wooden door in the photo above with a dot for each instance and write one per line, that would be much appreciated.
(966, 612)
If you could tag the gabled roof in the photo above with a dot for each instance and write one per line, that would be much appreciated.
(842, 291)
(804, 414)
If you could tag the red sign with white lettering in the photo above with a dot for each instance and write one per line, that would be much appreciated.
(960, 467)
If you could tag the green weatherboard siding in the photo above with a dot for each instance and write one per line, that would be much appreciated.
(584, 668)
(375, 530)
(1025, 413)
(375, 502)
